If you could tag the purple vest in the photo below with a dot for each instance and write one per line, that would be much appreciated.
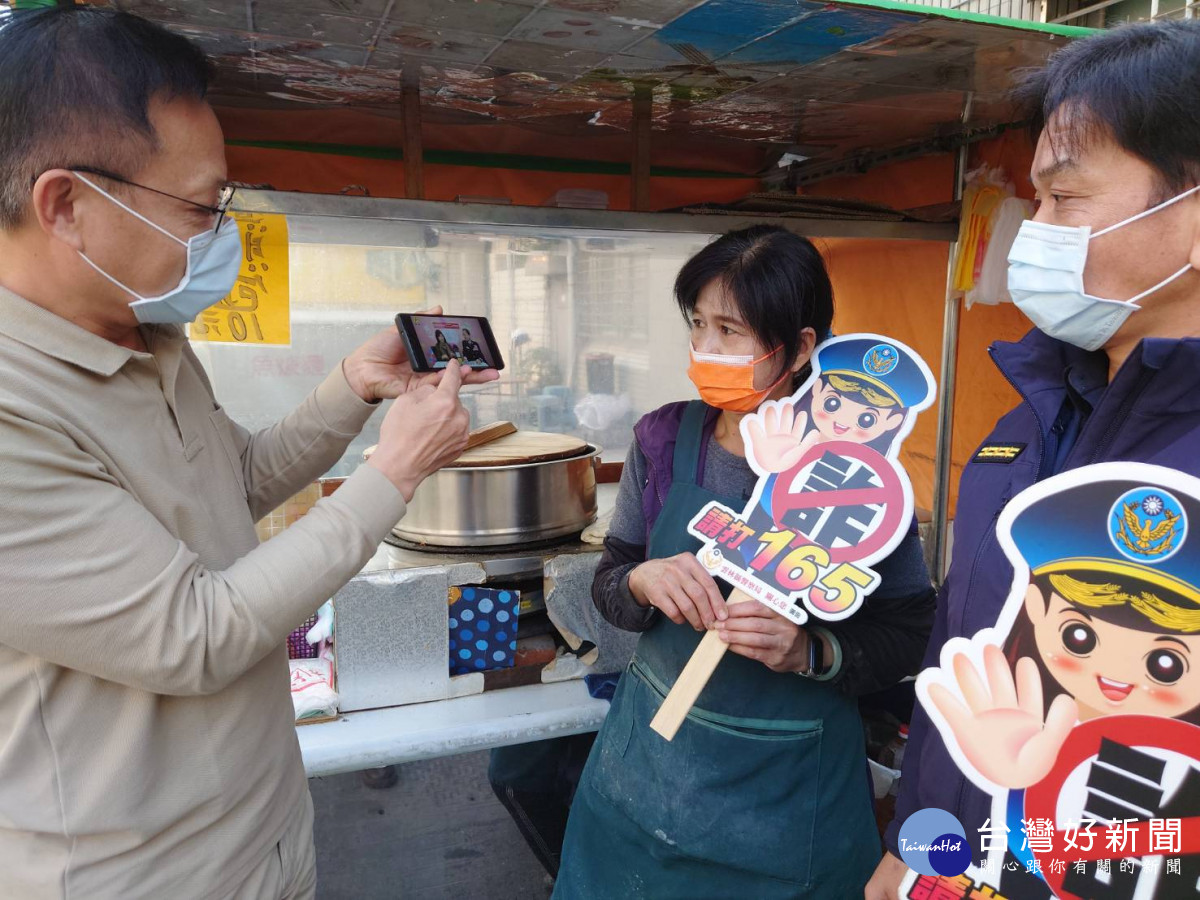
(655, 434)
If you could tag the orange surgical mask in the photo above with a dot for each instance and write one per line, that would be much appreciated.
(727, 382)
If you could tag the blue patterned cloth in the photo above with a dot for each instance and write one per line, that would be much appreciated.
(483, 629)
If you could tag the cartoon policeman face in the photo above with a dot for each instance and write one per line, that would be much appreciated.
(1109, 668)
(1103, 621)
(840, 417)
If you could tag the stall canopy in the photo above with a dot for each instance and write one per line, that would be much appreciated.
(739, 80)
(659, 104)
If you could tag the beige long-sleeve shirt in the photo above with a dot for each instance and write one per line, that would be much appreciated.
(147, 745)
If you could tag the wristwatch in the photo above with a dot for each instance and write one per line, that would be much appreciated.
(816, 657)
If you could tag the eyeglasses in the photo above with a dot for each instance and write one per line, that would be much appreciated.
(219, 211)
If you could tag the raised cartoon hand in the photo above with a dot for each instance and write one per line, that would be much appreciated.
(1002, 726)
(777, 437)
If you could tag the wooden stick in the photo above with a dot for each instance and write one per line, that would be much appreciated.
(489, 433)
(414, 152)
(643, 109)
(693, 678)
(477, 438)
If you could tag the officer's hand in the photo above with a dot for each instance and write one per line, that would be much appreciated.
(425, 429)
(758, 632)
(681, 588)
(1001, 725)
(885, 883)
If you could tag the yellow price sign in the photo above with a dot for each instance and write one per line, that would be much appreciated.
(258, 309)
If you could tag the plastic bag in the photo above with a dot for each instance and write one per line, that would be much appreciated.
(991, 287)
(986, 188)
(322, 631)
(313, 696)
(597, 412)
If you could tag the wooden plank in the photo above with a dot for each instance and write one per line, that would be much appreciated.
(487, 433)
(609, 473)
(522, 447)
(477, 438)
(410, 101)
(693, 678)
(642, 107)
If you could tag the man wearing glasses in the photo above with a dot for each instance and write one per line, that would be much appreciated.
(147, 746)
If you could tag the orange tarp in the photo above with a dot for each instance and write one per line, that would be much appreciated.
(322, 173)
(376, 129)
(898, 288)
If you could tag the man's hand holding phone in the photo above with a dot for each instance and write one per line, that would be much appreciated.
(432, 339)
(381, 370)
(427, 425)
(426, 428)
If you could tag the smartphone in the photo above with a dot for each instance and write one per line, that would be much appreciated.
(432, 341)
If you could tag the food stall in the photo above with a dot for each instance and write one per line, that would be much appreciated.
(550, 164)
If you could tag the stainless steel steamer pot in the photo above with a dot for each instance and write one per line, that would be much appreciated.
(488, 506)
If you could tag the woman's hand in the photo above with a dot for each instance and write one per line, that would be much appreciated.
(885, 883)
(777, 439)
(681, 588)
(758, 632)
(380, 368)
(1002, 726)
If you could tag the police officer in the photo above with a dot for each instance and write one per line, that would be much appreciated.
(1107, 271)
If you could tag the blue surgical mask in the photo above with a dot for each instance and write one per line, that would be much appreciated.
(213, 261)
(1045, 279)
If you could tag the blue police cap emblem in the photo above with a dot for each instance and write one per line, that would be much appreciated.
(1147, 525)
(881, 359)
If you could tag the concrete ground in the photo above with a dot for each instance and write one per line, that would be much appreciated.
(439, 832)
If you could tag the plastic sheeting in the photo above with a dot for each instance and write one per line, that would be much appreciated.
(827, 78)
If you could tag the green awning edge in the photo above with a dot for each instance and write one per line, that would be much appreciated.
(977, 18)
(486, 160)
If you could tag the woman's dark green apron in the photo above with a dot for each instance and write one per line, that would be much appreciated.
(762, 794)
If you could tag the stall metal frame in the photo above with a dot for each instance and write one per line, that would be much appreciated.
(619, 221)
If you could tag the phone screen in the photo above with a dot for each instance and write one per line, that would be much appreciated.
(443, 338)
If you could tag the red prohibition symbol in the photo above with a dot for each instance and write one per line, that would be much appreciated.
(889, 495)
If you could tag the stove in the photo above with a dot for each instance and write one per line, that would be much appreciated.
(496, 551)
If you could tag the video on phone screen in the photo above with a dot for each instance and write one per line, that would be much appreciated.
(444, 338)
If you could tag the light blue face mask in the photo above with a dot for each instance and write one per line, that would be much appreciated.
(213, 261)
(1045, 279)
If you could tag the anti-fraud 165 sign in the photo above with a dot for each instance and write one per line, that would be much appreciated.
(831, 498)
(1079, 712)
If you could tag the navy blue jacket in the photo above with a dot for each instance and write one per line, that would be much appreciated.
(1149, 413)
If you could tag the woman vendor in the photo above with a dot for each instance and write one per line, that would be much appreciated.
(765, 791)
